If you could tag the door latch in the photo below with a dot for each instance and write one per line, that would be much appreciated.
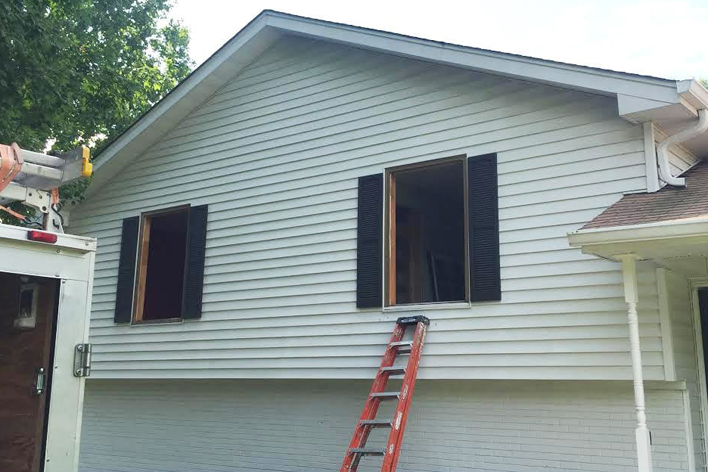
(82, 360)
(40, 381)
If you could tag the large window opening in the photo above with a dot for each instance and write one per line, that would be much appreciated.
(161, 265)
(426, 232)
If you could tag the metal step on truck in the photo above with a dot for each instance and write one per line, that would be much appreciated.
(45, 295)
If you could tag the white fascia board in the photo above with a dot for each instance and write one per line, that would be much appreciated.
(693, 92)
(199, 75)
(691, 97)
(18, 234)
(269, 26)
(520, 67)
(644, 232)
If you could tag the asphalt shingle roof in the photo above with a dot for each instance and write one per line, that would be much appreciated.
(668, 204)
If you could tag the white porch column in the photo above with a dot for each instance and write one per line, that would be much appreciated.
(629, 274)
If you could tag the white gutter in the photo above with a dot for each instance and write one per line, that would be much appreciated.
(692, 92)
(671, 229)
(662, 150)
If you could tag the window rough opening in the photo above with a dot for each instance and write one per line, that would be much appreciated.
(161, 266)
(427, 234)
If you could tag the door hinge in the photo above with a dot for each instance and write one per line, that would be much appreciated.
(82, 360)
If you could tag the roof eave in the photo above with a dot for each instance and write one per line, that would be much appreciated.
(644, 92)
(509, 65)
(693, 92)
(690, 97)
(660, 231)
(211, 75)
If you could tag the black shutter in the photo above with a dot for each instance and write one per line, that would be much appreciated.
(194, 271)
(368, 247)
(126, 270)
(483, 197)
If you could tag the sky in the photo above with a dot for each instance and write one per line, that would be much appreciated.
(663, 38)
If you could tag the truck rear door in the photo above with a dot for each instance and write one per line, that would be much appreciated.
(28, 311)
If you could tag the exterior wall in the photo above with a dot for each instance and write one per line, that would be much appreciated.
(485, 426)
(277, 153)
(685, 354)
(681, 160)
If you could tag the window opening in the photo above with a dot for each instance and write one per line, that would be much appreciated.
(161, 265)
(427, 234)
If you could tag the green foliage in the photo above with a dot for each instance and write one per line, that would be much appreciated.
(81, 71)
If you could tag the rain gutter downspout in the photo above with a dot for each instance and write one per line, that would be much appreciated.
(662, 150)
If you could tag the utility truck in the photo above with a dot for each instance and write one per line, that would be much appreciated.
(45, 292)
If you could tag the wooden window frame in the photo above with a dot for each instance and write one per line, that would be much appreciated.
(390, 228)
(142, 262)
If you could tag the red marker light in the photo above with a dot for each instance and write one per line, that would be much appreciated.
(42, 237)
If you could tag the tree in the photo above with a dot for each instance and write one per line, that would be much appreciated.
(81, 71)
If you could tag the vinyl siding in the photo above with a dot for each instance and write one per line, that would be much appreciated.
(681, 160)
(276, 154)
(685, 355)
(293, 426)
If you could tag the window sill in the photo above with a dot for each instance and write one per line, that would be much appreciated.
(157, 322)
(429, 306)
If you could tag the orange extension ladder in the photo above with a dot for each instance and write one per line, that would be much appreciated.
(357, 447)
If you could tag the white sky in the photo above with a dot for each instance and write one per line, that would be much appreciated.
(665, 38)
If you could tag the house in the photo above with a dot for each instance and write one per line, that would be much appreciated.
(262, 227)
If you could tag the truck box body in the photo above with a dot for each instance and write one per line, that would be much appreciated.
(45, 293)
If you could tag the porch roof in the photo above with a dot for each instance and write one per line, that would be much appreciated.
(668, 204)
(669, 227)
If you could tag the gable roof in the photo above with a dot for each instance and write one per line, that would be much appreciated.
(675, 204)
(640, 98)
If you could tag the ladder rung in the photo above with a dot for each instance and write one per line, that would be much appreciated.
(377, 423)
(394, 370)
(413, 320)
(366, 451)
(386, 395)
(406, 345)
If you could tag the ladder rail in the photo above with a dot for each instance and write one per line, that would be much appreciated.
(33, 179)
(42, 159)
(361, 434)
(395, 438)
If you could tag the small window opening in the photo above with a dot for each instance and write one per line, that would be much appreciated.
(427, 234)
(161, 265)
